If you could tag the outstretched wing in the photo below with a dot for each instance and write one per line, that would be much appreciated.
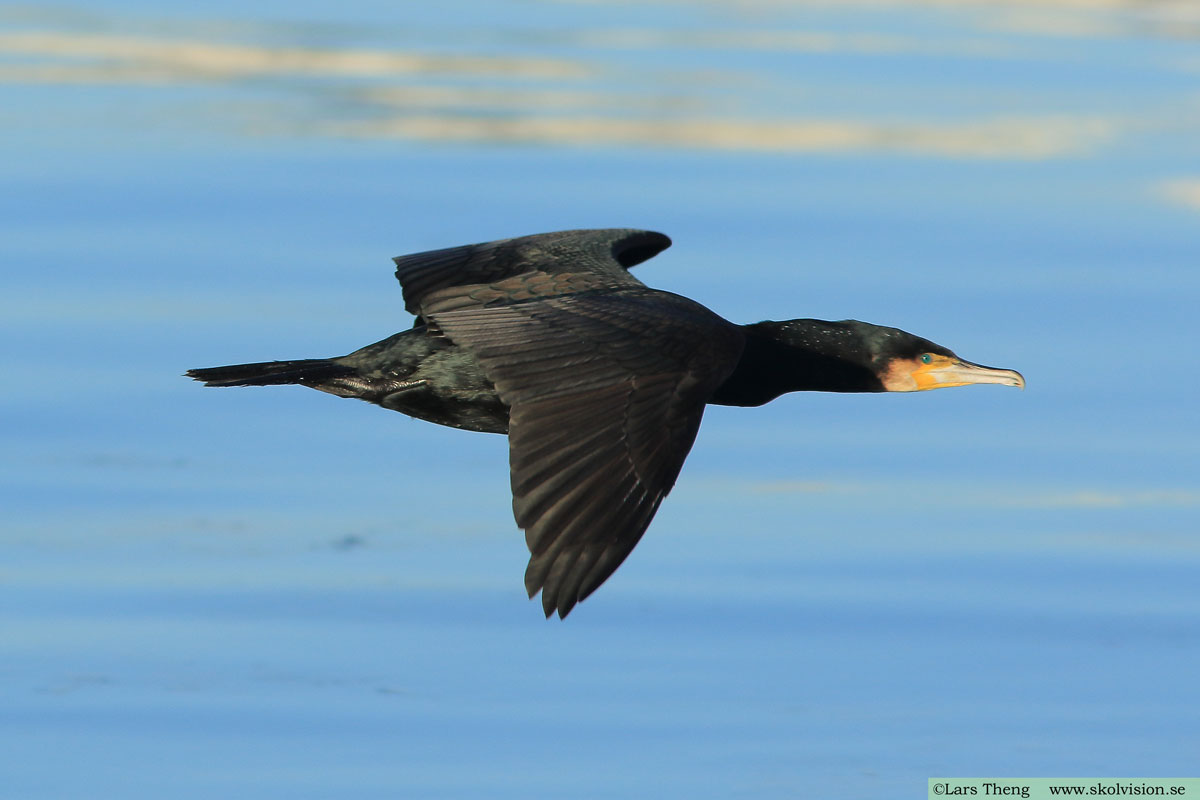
(606, 393)
(605, 254)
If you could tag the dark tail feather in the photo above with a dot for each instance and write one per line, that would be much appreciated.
(305, 371)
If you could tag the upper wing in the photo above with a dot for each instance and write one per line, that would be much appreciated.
(605, 252)
(606, 393)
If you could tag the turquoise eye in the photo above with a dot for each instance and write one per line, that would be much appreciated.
(926, 358)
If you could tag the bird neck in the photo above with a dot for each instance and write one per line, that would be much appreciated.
(800, 355)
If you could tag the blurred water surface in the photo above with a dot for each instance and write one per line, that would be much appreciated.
(277, 593)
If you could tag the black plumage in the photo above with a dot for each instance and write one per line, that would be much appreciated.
(599, 381)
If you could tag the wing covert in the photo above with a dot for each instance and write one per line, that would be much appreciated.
(608, 252)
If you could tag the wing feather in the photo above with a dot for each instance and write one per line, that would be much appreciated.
(608, 251)
(606, 391)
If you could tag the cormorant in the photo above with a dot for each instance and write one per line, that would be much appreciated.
(598, 380)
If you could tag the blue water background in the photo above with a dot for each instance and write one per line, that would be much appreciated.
(278, 593)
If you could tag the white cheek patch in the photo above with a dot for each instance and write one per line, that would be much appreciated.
(899, 376)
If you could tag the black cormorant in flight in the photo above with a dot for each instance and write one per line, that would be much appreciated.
(598, 380)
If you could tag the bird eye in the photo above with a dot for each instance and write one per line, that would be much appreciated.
(926, 358)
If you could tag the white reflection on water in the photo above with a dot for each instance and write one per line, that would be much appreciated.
(169, 60)
(543, 99)
(998, 138)
(908, 495)
(1184, 191)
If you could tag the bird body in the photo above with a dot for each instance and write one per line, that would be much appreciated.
(599, 381)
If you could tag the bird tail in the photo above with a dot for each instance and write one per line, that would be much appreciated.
(305, 371)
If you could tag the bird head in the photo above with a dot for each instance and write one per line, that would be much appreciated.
(904, 362)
